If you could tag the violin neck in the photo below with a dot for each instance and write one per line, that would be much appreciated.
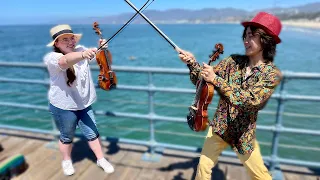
(101, 37)
(199, 89)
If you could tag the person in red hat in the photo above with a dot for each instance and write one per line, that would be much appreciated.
(244, 83)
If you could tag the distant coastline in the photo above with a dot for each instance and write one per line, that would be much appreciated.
(304, 24)
(290, 23)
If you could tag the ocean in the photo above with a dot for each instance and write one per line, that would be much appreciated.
(298, 52)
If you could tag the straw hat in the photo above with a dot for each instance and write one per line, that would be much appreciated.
(59, 30)
(268, 22)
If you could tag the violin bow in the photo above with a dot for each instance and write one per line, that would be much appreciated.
(126, 24)
(155, 27)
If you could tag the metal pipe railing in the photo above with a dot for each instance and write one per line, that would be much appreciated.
(277, 129)
(156, 117)
(275, 138)
(287, 74)
(166, 90)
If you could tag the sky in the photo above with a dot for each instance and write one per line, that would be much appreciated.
(38, 11)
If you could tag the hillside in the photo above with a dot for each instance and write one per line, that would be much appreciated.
(308, 12)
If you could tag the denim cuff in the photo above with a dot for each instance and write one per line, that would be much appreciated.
(98, 135)
(65, 142)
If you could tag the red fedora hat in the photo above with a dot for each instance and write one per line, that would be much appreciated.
(268, 22)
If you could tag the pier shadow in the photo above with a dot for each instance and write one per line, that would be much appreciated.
(217, 173)
(316, 171)
(313, 171)
(81, 151)
(113, 148)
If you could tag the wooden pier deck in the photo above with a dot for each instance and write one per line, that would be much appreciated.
(45, 162)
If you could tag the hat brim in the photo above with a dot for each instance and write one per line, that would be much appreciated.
(78, 37)
(248, 23)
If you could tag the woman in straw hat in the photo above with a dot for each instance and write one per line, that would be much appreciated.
(244, 83)
(71, 94)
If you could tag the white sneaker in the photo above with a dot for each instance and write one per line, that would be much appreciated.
(105, 165)
(67, 167)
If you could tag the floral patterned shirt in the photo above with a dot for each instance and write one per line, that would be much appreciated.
(241, 98)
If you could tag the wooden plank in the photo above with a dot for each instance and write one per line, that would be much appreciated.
(154, 174)
(28, 135)
(92, 172)
(292, 176)
(114, 157)
(3, 137)
(131, 173)
(48, 167)
(296, 169)
(45, 163)
(27, 147)
(119, 170)
(236, 173)
(310, 177)
(295, 172)
(40, 161)
(133, 159)
(80, 168)
(10, 146)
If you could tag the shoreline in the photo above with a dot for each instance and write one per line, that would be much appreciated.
(302, 24)
(285, 23)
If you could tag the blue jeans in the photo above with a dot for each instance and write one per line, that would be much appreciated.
(67, 121)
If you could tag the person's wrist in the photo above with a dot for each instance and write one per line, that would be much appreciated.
(82, 55)
(213, 79)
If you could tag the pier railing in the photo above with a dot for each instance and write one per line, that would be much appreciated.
(277, 129)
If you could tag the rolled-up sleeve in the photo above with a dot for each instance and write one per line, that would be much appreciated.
(52, 61)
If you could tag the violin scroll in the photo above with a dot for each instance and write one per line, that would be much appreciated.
(97, 29)
(215, 54)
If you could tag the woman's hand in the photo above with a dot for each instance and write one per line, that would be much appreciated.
(207, 73)
(89, 53)
(186, 56)
(101, 42)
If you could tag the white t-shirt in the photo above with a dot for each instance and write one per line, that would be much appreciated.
(80, 94)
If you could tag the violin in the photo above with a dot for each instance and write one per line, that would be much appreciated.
(107, 79)
(198, 115)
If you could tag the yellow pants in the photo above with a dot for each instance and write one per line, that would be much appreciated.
(212, 148)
